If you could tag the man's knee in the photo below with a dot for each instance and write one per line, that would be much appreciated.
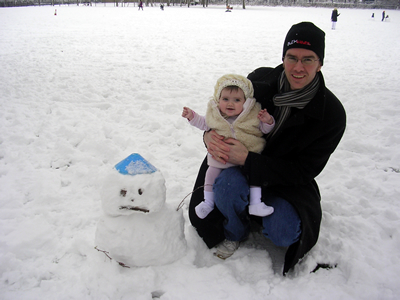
(231, 189)
(283, 227)
(231, 180)
(284, 238)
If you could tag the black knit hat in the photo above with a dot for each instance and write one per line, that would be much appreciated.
(307, 36)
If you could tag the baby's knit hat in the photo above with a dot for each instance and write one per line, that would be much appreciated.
(307, 36)
(233, 80)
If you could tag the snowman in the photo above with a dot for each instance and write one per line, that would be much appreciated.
(138, 228)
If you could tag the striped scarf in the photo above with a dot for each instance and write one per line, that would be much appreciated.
(286, 99)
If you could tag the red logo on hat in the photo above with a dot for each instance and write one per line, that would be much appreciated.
(298, 42)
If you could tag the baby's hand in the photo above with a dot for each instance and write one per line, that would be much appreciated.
(265, 117)
(187, 113)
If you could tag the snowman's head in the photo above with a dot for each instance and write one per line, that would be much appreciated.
(137, 194)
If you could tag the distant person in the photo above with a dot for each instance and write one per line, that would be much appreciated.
(140, 5)
(334, 16)
(162, 6)
(373, 15)
(233, 112)
(383, 15)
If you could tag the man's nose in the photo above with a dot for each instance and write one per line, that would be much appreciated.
(298, 65)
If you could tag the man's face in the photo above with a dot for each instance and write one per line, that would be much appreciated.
(299, 74)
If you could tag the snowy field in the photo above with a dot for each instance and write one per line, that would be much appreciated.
(82, 90)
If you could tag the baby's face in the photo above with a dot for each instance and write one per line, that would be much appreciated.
(231, 102)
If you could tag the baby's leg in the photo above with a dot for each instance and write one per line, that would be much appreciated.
(257, 207)
(206, 206)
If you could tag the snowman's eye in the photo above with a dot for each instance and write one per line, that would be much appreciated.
(140, 191)
(122, 193)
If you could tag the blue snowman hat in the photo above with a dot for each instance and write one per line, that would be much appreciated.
(135, 164)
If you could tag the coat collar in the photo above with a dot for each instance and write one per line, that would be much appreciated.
(268, 87)
(265, 82)
(314, 109)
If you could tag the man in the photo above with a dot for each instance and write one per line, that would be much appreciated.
(310, 121)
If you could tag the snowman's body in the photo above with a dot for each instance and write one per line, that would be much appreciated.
(138, 227)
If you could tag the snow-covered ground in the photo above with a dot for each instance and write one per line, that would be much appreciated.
(82, 90)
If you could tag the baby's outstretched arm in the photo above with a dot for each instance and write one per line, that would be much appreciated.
(187, 113)
(195, 119)
(265, 117)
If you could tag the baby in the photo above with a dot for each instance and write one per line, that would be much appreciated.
(233, 112)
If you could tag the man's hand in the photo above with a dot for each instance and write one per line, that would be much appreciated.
(229, 150)
(215, 145)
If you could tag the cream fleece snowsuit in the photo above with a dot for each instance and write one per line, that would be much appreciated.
(246, 127)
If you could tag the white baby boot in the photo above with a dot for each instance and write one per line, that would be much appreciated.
(260, 209)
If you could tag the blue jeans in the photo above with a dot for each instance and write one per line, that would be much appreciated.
(231, 192)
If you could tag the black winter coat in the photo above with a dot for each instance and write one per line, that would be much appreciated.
(291, 160)
(334, 16)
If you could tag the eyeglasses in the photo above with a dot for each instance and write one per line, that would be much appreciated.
(305, 61)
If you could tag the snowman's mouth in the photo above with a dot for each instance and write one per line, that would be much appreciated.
(135, 208)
